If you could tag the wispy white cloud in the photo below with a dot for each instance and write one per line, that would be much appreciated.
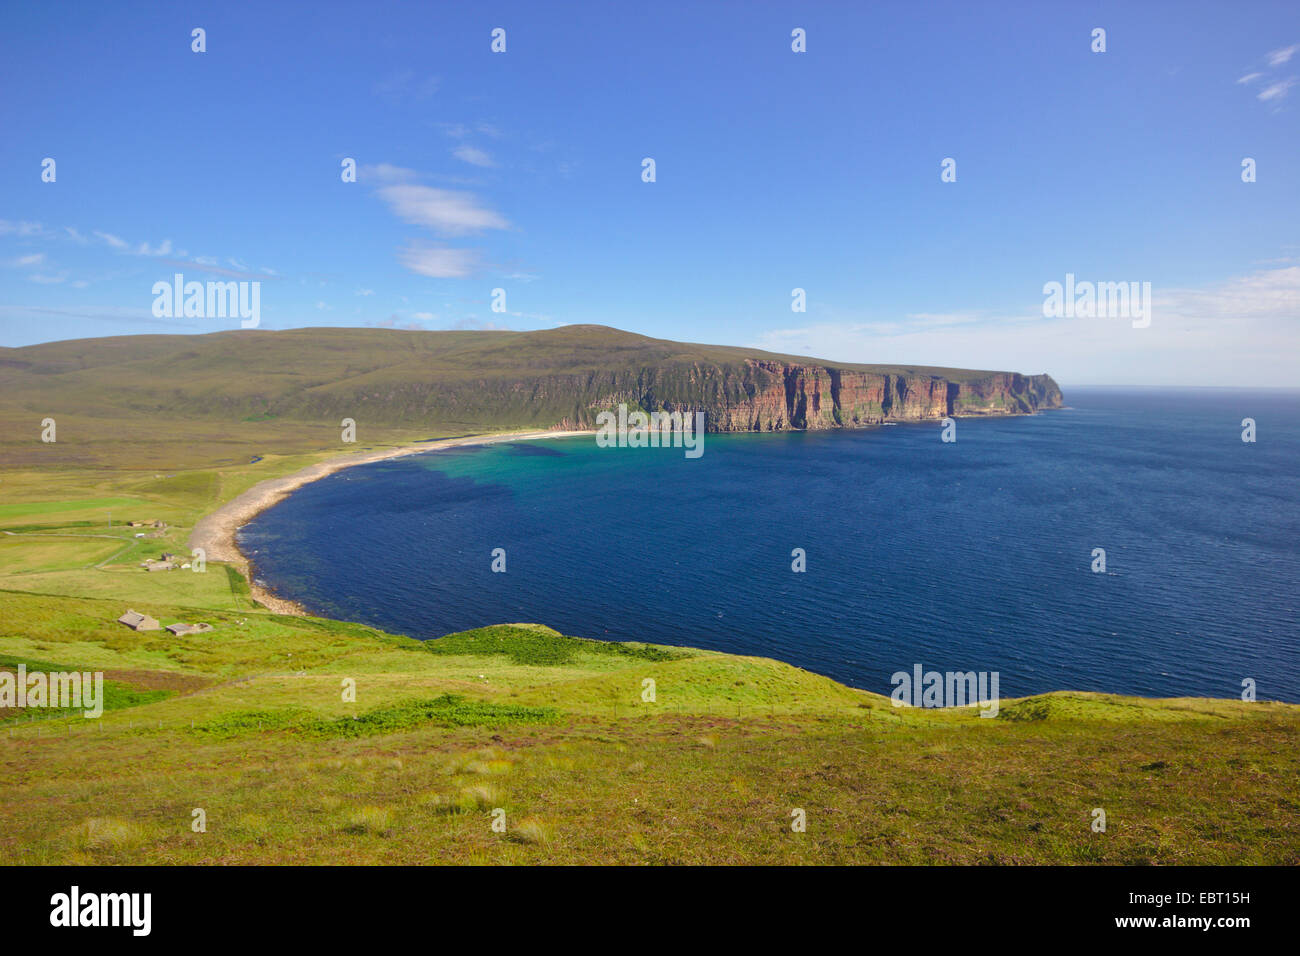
(22, 228)
(1240, 331)
(26, 262)
(1278, 57)
(442, 210)
(438, 262)
(26, 229)
(1267, 293)
(1278, 90)
(365, 292)
(209, 265)
(445, 212)
(1274, 89)
(163, 248)
(387, 173)
(474, 156)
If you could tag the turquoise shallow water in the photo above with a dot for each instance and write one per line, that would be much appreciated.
(968, 556)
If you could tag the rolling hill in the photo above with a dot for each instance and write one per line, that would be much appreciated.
(449, 382)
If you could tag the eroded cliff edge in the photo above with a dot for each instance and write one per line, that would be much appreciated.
(762, 395)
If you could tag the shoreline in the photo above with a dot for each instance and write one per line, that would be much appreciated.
(216, 531)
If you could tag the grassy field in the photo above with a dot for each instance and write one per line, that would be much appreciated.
(249, 725)
(516, 724)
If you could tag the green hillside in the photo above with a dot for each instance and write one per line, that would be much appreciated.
(247, 723)
(235, 393)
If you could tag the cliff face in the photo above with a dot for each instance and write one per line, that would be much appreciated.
(750, 395)
(462, 382)
(774, 396)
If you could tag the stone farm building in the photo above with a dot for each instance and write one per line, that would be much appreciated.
(179, 629)
(138, 622)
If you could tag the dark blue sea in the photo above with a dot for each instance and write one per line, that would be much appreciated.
(975, 555)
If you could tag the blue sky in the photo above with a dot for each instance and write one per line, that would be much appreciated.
(775, 170)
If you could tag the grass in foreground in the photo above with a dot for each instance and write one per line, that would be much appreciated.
(249, 723)
(442, 735)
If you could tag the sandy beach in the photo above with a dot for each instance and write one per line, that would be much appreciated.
(215, 533)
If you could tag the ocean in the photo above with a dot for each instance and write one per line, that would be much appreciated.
(976, 555)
